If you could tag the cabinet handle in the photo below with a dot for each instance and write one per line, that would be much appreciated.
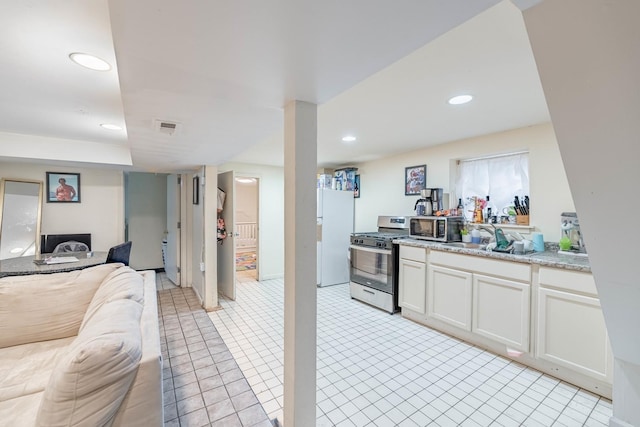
(368, 291)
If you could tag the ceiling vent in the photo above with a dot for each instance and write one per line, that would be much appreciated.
(166, 127)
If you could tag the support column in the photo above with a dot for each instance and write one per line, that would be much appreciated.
(300, 298)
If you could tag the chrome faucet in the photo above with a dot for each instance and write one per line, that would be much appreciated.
(496, 234)
(491, 230)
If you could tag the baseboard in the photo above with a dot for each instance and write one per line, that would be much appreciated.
(615, 422)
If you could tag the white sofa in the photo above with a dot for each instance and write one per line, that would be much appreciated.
(80, 349)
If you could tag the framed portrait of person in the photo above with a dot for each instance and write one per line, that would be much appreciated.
(63, 187)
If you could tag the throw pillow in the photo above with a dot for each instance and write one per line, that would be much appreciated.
(88, 385)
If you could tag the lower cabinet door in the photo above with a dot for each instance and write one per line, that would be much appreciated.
(572, 333)
(501, 311)
(449, 296)
(411, 287)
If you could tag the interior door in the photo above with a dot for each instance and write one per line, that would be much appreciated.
(172, 254)
(227, 249)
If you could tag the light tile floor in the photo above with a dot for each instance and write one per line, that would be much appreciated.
(375, 369)
(202, 384)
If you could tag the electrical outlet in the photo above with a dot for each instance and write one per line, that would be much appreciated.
(202, 266)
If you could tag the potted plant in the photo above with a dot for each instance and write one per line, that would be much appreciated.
(466, 237)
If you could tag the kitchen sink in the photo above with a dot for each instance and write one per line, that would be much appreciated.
(478, 246)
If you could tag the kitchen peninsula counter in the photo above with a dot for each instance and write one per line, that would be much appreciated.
(23, 266)
(548, 258)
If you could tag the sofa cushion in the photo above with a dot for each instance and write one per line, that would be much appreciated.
(20, 411)
(123, 283)
(43, 307)
(26, 368)
(88, 385)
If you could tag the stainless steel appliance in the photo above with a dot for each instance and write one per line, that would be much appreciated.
(374, 263)
(423, 206)
(570, 227)
(436, 197)
(437, 228)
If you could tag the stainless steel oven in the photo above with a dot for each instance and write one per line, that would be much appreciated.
(374, 263)
(372, 267)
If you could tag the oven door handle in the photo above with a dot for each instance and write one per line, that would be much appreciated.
(374, 250)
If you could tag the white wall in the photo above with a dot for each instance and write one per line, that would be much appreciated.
(146, 216)
(100, 212)
(271, 212)
(587, 56)
(382, 190)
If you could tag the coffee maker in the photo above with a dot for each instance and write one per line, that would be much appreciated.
(423, 205)
(435, 195)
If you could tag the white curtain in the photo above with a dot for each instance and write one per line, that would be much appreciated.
(502, 178)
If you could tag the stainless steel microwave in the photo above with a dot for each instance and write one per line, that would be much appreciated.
(437, 228)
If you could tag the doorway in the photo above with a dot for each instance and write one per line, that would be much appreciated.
(145, 207)
(246, 228)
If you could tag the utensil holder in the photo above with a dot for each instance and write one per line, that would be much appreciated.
(522, 219)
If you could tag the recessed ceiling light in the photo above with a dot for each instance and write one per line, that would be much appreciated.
(111, 126)
(90, 61)
(349, 138)
(460, 99)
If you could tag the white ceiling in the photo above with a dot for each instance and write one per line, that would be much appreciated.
(224, 70)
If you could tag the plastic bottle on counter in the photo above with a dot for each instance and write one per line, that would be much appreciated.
(475, 235)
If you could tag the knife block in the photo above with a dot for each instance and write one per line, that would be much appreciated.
(522, 219)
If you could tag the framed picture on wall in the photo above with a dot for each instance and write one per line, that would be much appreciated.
(196, 190)
(415, 180)
(356, 187)
(63, 187)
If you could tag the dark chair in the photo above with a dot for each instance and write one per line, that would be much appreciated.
(120, 253)
(49, 242)
(71, 246)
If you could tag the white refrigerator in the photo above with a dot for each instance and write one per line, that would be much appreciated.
(335, 225)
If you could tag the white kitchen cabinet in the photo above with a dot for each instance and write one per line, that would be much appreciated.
(449, 296)
(486, 296)
(571, 331)
(501, 311)
(412, 278)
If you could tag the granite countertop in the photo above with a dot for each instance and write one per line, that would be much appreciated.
(549, 258)
(25, 265)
